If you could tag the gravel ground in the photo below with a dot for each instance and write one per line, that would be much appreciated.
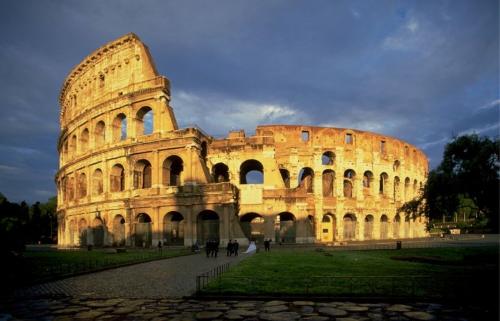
(172, 278)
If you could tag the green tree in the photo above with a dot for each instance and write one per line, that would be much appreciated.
(468, 174)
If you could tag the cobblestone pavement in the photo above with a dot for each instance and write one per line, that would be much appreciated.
(172, 278)
(179, 309)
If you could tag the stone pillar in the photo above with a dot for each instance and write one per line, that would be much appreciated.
(360, 224)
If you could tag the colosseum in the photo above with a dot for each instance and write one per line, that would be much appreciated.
(129, 176)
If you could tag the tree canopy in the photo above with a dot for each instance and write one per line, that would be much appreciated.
(468, 176)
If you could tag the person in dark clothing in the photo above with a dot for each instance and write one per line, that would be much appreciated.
(235, 247)
(266, 245)
(207, 248)
(159, 246)
(229, 249)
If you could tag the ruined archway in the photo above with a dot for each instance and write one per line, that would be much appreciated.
(82, 232)
(368, 231)
(383, 184)
(98, 232)
(251, 172)
(120, 128)
(173, 228)
(117, 178)
(119, 230)
(100, 133)
(396, 224)
(144, 121)
(285, 175)
(349, 187)
(328, 179)
(384, 227)
(84, 140)
(143, 230)
(252, 225)
(367, 183)
(328, 227)
(207, 225)
(97, 187)
(172, 171)
(220, 172)
(306, 179)
(142, 174)
(349, 227)
(285, 228)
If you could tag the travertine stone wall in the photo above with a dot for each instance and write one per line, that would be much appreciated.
(129, 176)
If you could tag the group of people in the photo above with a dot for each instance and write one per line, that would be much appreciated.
(212, 247)
(232, 247)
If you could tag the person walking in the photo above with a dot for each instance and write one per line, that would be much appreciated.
(235, 247)
(215, 248)
(266, 245)
(229, 249)
(207, 248)
(159, 246)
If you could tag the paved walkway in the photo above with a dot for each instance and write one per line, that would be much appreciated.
(170, 309)
(169, 278)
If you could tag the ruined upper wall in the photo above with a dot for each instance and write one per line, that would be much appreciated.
(117, 68)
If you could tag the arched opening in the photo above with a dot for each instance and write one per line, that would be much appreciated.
(142, 174)
(415, 188)
(98, 232)
(349, 227)
(395, 166)
(72, 145)
(251, 172)
(119, 230)
(144, 121)
(82, 185)
(368, 227)
(309, 227)
(407, 189)
(71, 188)
(384, 181)
(117, 178)
(285, 228)
(384, 227)
(252, 225)
(328, 183)
(367, 183)
(100, 133)
(143, 230)
(84, 140)
(97, 187)
(207, 225)
(172, 171)
(285, 175)
(328, 227)
(328, 158)
(82, 232)
(72, 232)
(407, 227)
(306, 179)
(396, 226)
(173, 228)
(65, 150)
(120, 128)
(349, 177)
(220, 172)
(397, 193)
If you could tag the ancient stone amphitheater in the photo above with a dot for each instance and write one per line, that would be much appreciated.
(129, 176)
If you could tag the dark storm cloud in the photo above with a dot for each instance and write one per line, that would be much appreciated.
(422, 71)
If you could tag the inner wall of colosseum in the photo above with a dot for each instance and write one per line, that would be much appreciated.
(129, 176)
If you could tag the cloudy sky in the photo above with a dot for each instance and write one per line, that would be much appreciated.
(422, 71)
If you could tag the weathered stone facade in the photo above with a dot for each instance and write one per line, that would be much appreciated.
(129, 176)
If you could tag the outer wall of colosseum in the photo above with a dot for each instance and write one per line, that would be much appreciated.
(129, 176)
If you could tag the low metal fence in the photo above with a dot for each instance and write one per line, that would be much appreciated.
(203, 279)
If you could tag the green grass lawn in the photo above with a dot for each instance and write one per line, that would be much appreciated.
(302, 271)
(53, 264)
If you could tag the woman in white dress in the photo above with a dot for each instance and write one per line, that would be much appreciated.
(251, 248)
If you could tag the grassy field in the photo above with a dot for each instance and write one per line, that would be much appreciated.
(37, 266)
(364, 273)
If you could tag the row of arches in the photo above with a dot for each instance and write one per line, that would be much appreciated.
(81, 142)
(75, 186)
(252, 172)
(284, 226)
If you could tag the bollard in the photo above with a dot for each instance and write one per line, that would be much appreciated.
(398, 245)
